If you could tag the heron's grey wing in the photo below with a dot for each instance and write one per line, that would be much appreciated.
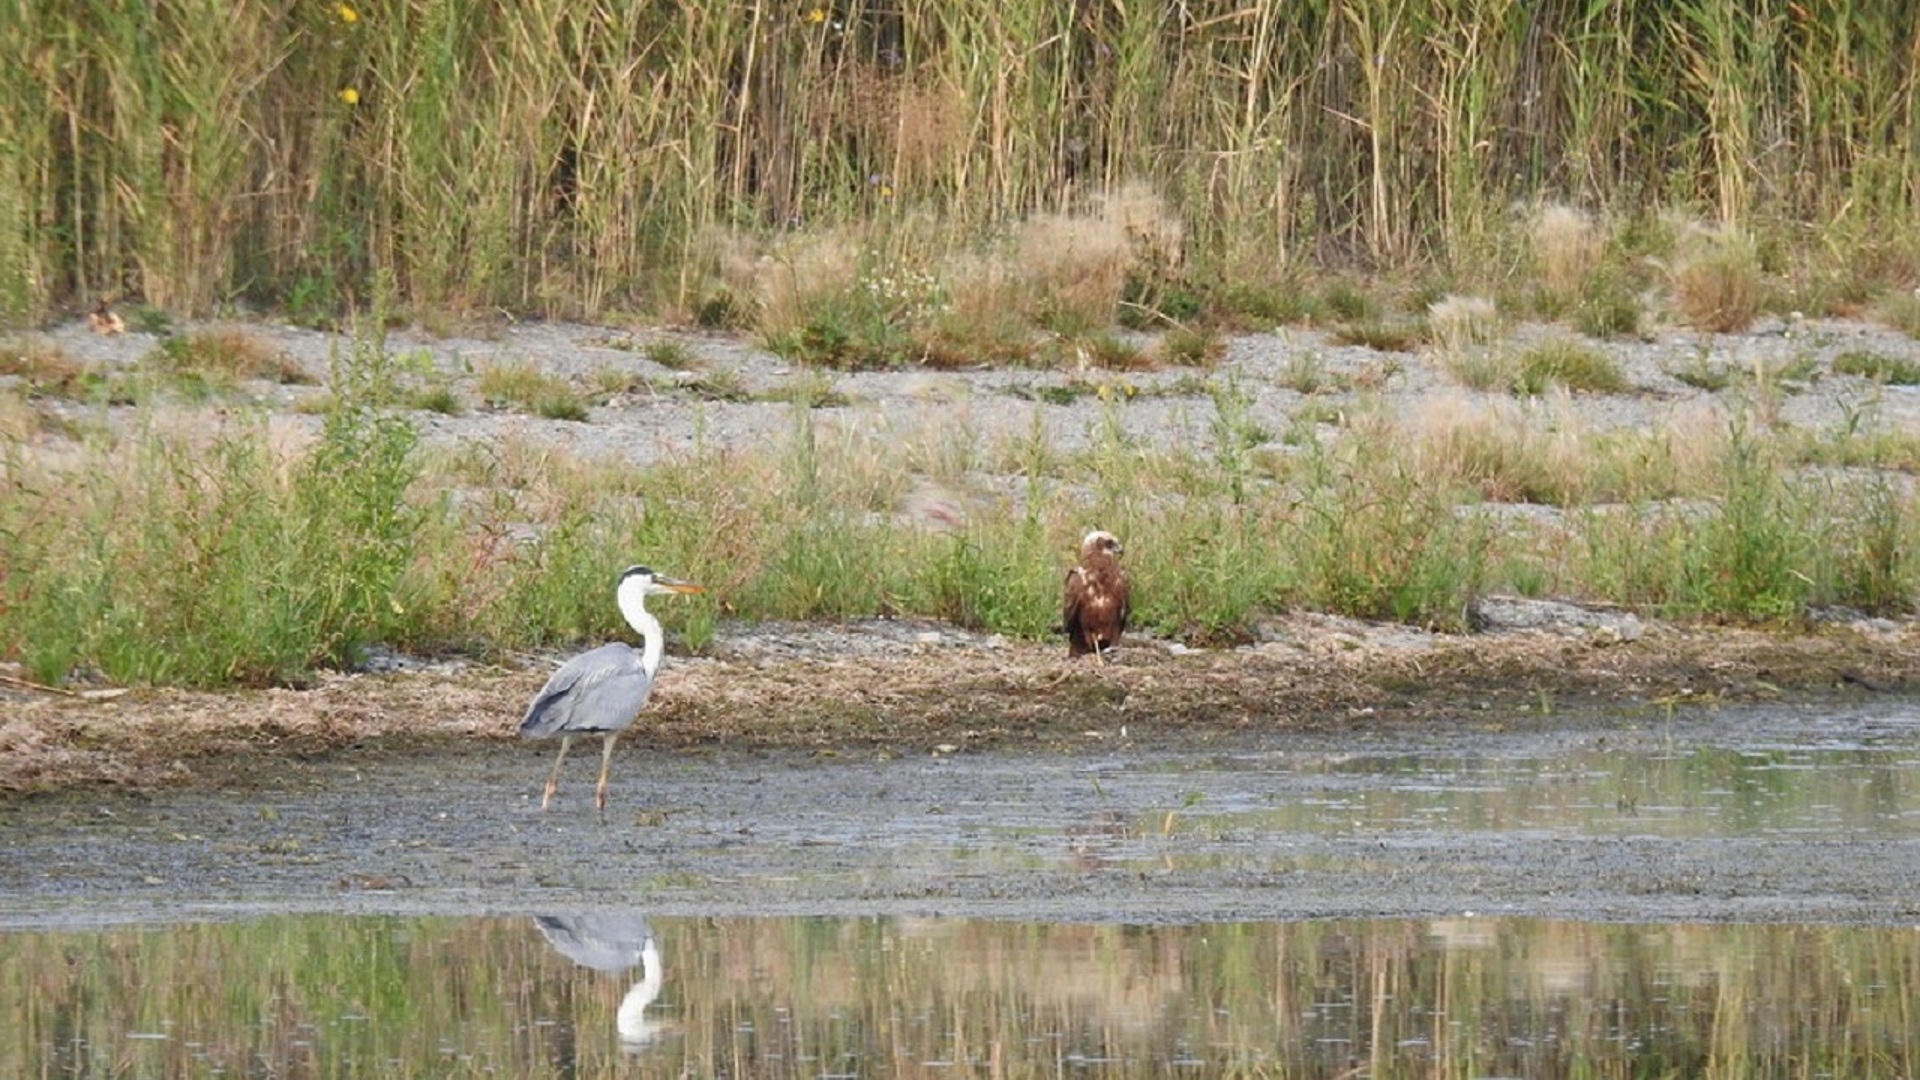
(597, 691)
(603, 941)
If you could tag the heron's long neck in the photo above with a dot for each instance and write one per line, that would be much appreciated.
(630, 1019)
(633, 604)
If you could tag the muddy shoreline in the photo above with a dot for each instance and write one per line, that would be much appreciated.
(925, 773)
(907, 687)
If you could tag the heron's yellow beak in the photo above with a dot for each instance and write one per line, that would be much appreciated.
(679, 586)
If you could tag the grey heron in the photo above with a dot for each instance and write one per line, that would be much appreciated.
(601, 691)
(614, 941)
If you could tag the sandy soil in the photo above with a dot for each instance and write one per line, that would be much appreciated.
(804, 763)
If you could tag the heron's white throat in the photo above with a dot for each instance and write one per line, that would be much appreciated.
(632, 597)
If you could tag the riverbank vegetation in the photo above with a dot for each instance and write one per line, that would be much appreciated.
(154, 538)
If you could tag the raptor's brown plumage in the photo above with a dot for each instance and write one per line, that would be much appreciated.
(104, 320)
(1094, 612)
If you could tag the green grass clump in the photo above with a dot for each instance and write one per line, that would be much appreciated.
(1384, 334)
(440, 399)
(1379, 541)
(1893, 370)
(1703, 373)
(205, 560)
(848, 337)
(1347, 301)
(1896, 450)
(809, 390)
(1901, 311)
(561, 407)
(1610, 310)
(672, 355)
(1563, 362)
(521, 385)
(1187, 347)
(718, 385)
(214, 361)
(1108, 352)
(1306, 373)
(1251, 305)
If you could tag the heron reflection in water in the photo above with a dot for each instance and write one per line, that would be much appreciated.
(614, 941)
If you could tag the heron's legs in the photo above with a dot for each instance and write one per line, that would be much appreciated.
(553, 778)
(606, 759)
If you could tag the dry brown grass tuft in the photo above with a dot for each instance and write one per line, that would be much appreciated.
(231, 352)
(1714, 278)
(1508, 451)
(1695, 438)
(983, 292)
(1154, 232)
(1075, 265)
(44, 367)
(795, 277)
(1074, 268)
(1456, 324)
(1567, 245)
(18, 420)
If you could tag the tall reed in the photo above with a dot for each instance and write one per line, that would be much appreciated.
(572, 158)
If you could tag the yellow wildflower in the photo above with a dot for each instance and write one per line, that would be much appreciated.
(347, 14)
(349, 95)
(815, 15)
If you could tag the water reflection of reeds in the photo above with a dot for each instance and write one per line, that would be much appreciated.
(326, 996)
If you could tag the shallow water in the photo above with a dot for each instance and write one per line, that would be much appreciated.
(1731, 896)
(1784, 815)
(811, 997)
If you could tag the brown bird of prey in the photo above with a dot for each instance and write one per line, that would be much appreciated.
(104, 320)
(1094, 613)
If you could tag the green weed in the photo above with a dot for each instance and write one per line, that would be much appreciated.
(1879, 367)
(672, 355)
(1568, 363)
(521, 385)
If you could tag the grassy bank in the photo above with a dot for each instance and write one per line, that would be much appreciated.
(169, 543)
(827, 172)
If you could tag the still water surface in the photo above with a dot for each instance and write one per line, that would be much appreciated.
(593, 990)
(612, 993)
